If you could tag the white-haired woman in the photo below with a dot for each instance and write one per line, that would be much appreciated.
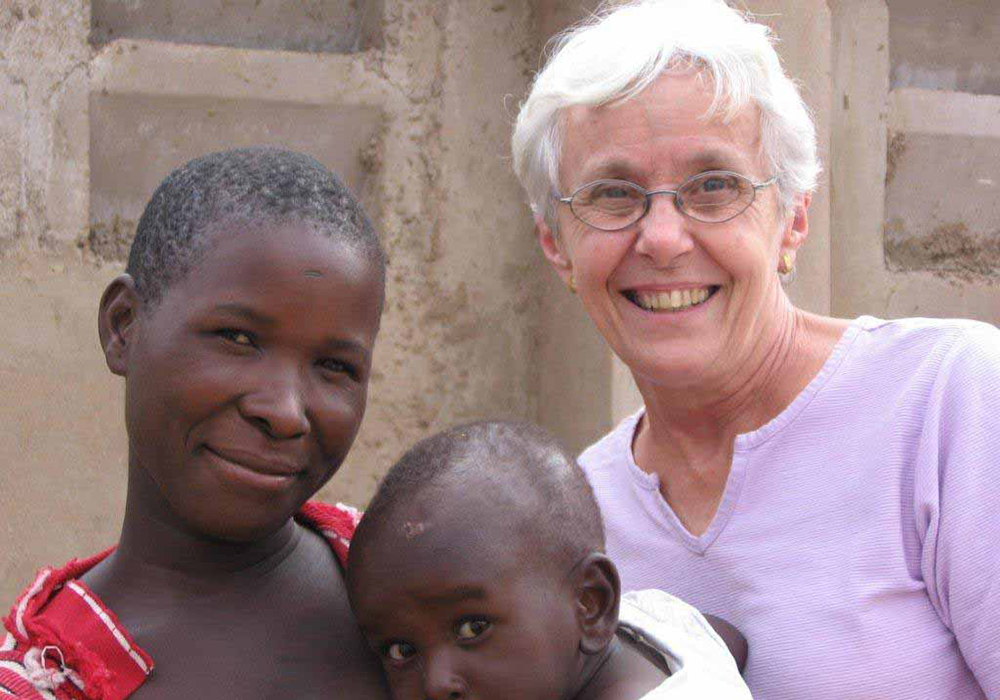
(828, 486)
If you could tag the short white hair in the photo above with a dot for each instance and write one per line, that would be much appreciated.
(617, 52)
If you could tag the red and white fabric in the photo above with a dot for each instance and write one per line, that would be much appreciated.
(63, 643)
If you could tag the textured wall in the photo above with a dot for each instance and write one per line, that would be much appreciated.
(96, 109)
(412, 100)
(913, 170)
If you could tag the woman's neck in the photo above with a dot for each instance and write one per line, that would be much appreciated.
(687, 435)
(157, 552)
(788, 351)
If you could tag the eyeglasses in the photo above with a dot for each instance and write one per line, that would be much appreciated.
(711, 197)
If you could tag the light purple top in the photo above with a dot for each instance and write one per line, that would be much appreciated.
(856, 543)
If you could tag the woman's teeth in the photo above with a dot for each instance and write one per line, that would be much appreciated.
(671, 301)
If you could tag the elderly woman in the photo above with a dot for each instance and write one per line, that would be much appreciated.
(829, 486)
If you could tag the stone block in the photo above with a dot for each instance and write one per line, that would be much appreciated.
(945, 46)
(136, 140)
(328, 26)
(943, 203)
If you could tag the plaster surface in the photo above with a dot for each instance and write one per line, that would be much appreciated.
(945, 46)
(332, 26)
(12, 126)
(947, 218)
(137, 140)
(867, 116)
(62, 449)
(417, 118)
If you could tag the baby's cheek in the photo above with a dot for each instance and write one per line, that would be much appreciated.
(404, 683)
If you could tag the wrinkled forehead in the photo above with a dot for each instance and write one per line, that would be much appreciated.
(673, 123)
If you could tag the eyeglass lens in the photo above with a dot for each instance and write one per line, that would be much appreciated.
(711, 197)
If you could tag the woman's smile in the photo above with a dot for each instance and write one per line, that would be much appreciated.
(252, 469)
(671, 301)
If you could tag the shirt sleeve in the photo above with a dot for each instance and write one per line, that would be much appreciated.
(958, 499)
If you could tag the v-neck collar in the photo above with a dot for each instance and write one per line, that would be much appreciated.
(743, 446)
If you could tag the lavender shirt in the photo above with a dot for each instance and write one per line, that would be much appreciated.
(857, 543)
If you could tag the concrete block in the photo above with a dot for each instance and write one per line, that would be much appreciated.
(942, 206)
(12, 112)
(67, 187)
(329, 26)
(136, 140)
(945, 45)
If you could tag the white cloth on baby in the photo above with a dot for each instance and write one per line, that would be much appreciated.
(700, 664)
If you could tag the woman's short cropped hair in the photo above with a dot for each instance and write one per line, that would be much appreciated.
(622, 48)
(250, 184)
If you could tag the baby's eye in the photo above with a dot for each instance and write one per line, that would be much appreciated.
(236, 336)
(473, 628)
(399, 651)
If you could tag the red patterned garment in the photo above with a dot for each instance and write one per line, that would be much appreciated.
(62, 643)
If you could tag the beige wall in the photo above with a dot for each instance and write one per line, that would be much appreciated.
(914, 171)
(412, 101)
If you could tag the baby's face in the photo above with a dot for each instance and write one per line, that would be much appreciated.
(454, 610)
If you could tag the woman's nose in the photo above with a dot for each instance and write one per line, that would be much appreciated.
(277, 405)
(663, 232)
(441, 681)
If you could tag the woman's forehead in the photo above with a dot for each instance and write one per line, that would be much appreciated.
(249, 254)
(666, 127)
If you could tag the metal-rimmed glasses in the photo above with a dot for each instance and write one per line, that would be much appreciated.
(712, 197)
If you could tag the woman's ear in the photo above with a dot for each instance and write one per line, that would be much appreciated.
(598, 590)
(797, 228)
(552, 247)
(117, 321)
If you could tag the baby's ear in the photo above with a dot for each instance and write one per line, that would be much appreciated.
(598, 590)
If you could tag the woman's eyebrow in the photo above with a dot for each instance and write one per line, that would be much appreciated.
(613, 166)
(334, 344)
(245, 312)
(714, 158)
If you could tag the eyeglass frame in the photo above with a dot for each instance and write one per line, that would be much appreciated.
(649, 193)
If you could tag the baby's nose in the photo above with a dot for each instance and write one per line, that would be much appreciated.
(441, 682)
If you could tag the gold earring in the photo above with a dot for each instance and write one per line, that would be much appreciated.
(572, 283)
(787, 263)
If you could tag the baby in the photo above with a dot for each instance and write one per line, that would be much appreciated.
(478, 571)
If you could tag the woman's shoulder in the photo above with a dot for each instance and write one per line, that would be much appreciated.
(922, 332)
(926, 347)
(612, 450)
(61, 639)
(335, 522)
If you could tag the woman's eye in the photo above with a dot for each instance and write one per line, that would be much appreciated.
(470, 629)
(715, 184)
(612, 193)
(339, 367)
(399, 651)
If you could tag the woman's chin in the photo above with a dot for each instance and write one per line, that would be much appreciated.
(672, 366)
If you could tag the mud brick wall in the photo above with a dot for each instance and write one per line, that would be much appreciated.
(412, 102)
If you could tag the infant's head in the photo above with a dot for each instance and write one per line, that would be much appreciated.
(478, 569)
